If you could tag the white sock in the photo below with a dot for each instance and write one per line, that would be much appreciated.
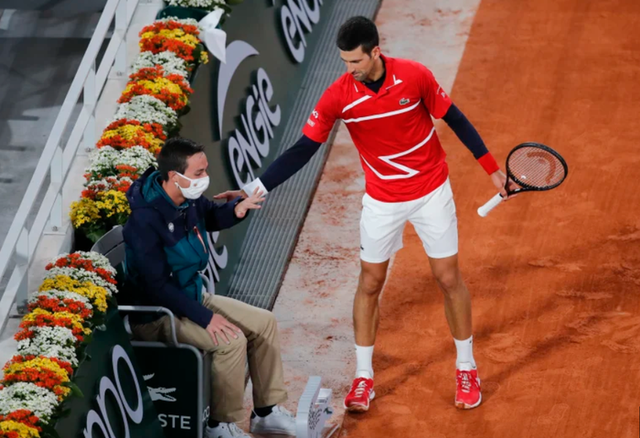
(465, 352)
(364, 355)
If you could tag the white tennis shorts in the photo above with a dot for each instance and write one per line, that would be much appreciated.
(433, 216)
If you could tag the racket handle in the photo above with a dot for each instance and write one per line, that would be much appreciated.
(490, 205)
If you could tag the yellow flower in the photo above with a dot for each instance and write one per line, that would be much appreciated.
(105, 205)
(23, 430)
(83, 212)
(156, 86)
(190, 40)
(39, 363)
(113, 202)
(96, 294)
(54, 383)
(174, 34)
(132, 132)
(76, 320)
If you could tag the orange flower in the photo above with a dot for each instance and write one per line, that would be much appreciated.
(173, 90)
(123, 134)
(128, 172)
(109, 183)
(22, 416)
(44, 318)
(53, 304)
(159, 26)
(76, 261)
(49, 373)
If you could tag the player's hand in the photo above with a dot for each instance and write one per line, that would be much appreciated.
(251, 203)
(230, 195)
(499, 180)
(223, 329)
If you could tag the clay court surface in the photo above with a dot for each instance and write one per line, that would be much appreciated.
(555, 277)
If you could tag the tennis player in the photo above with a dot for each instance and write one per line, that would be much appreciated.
(388, 105)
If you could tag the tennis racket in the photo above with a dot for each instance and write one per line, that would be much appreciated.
(534, 167)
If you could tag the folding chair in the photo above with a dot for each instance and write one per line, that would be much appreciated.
(177, 375)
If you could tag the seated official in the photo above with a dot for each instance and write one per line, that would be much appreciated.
(165, 248)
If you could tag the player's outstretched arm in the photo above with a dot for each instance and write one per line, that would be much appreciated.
(283, 168)
(315, 132)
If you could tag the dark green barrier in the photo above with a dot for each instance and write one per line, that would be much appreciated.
(116, 398)
(238, 109)
(180, 387)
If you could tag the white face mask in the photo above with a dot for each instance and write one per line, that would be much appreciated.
(195, 189)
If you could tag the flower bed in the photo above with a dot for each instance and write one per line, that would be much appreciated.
(156, 95)
(70, 303)
(74, 296)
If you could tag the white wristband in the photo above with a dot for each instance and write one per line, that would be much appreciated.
(253, 185)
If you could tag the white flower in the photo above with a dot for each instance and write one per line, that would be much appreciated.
(40, 401)
(190, 21)
(82, 276)
(98, 260)
(60, 336)
(137, 157)
(107, 183)
(104, 160)
(39, 346)
(62, 295)
(147, 109)
(202, 4)
(170, 62)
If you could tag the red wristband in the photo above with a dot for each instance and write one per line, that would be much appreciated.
(488, 163)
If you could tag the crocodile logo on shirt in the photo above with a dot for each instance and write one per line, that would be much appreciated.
(404, 101)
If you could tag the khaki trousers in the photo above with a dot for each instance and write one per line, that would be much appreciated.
(260, 342)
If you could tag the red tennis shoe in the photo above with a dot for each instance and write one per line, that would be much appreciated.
(360, 394)
(468, 394)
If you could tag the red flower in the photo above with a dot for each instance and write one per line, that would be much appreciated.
(57, 305)
(127, 171)
(75, 260)
(22, 416)
(159, 43)
(40, 374)
(24, 334)
(53, 321)
(20, 359)
(170, 25)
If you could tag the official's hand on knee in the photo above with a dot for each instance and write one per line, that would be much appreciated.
(223, 328)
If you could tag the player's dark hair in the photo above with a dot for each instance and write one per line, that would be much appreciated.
(356, 32)
(174, 155)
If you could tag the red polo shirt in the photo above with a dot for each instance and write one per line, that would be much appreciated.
(399, 148)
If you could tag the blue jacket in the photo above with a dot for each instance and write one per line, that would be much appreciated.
(166, 247)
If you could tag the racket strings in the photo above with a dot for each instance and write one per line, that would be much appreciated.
(536, 168)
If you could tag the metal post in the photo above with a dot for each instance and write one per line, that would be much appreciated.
(120, 64)
(17, 250)
(57, 176)
(21, 271)
(90, 99)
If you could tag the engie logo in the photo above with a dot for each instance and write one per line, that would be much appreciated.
(249, 145)
(101, 418)
(294, 15)
(258, 120)
(217, 261)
